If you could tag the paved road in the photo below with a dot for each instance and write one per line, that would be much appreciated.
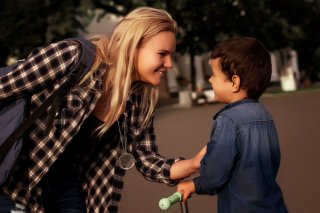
(183, 131)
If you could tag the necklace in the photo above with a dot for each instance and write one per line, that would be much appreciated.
(126, 160)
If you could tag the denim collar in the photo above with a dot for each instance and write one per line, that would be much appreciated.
(237, 103)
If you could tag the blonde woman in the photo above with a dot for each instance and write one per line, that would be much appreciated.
(104, 126)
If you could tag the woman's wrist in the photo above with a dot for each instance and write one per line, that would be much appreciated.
(182, 169)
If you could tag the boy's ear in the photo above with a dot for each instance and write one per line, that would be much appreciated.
(235, 83)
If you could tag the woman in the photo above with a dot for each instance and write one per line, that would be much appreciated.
(105, 124)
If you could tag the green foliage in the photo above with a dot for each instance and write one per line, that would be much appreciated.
(19, 27)
(279, 24)
(25, 24)
(117, 7)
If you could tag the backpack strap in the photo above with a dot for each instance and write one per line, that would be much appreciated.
(88, 53)
(79, 70)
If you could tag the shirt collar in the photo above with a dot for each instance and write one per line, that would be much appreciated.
(237, 103)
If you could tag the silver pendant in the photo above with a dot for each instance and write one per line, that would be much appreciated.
(126, 161)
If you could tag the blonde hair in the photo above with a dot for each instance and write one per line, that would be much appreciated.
(131, 32)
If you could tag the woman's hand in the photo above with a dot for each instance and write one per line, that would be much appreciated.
(185, 168)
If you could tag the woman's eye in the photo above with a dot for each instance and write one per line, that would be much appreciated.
(162, 54)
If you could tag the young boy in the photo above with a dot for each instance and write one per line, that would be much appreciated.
(243, 156)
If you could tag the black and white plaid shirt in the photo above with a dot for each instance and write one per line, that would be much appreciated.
(41, 74)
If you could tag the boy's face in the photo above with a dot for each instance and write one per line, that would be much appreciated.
(220, 83)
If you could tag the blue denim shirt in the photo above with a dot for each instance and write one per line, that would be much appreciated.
(242, 160)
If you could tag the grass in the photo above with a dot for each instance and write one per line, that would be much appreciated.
(276, 90)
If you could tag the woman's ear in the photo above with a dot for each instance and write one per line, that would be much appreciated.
(235, 83)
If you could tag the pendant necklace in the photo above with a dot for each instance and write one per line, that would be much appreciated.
(126, 160)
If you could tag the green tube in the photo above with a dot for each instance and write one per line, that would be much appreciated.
(165, 203)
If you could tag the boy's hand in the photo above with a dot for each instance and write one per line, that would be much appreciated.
(198, 157)
(186, 188)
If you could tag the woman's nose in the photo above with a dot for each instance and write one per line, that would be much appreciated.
(168, 62)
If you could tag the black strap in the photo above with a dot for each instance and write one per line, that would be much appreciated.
(78, 71)
(17, 133)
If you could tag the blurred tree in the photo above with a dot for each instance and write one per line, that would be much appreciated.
(278, 24)
(20, 27)
(117, 7)
(303, 17)
(26, 24)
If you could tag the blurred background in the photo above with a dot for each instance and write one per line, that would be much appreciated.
(288, 28)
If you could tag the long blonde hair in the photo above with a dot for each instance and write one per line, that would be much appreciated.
(119, 57)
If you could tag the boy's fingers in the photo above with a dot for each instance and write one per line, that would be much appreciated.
(186, 196)
(180, 191)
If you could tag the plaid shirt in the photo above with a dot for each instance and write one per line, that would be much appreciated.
(102, 179)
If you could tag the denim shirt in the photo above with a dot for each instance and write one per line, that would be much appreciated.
(242, 160)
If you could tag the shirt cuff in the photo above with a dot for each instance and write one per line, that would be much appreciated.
(198, 185)
(201, 188)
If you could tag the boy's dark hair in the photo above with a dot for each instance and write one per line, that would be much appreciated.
(248, 58)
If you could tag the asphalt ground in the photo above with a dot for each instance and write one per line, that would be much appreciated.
(183, 131)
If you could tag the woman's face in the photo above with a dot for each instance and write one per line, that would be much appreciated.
(154, 57)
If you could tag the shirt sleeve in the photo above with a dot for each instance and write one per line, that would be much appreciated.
(149, 163)
(216, 165)
(42, 67)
